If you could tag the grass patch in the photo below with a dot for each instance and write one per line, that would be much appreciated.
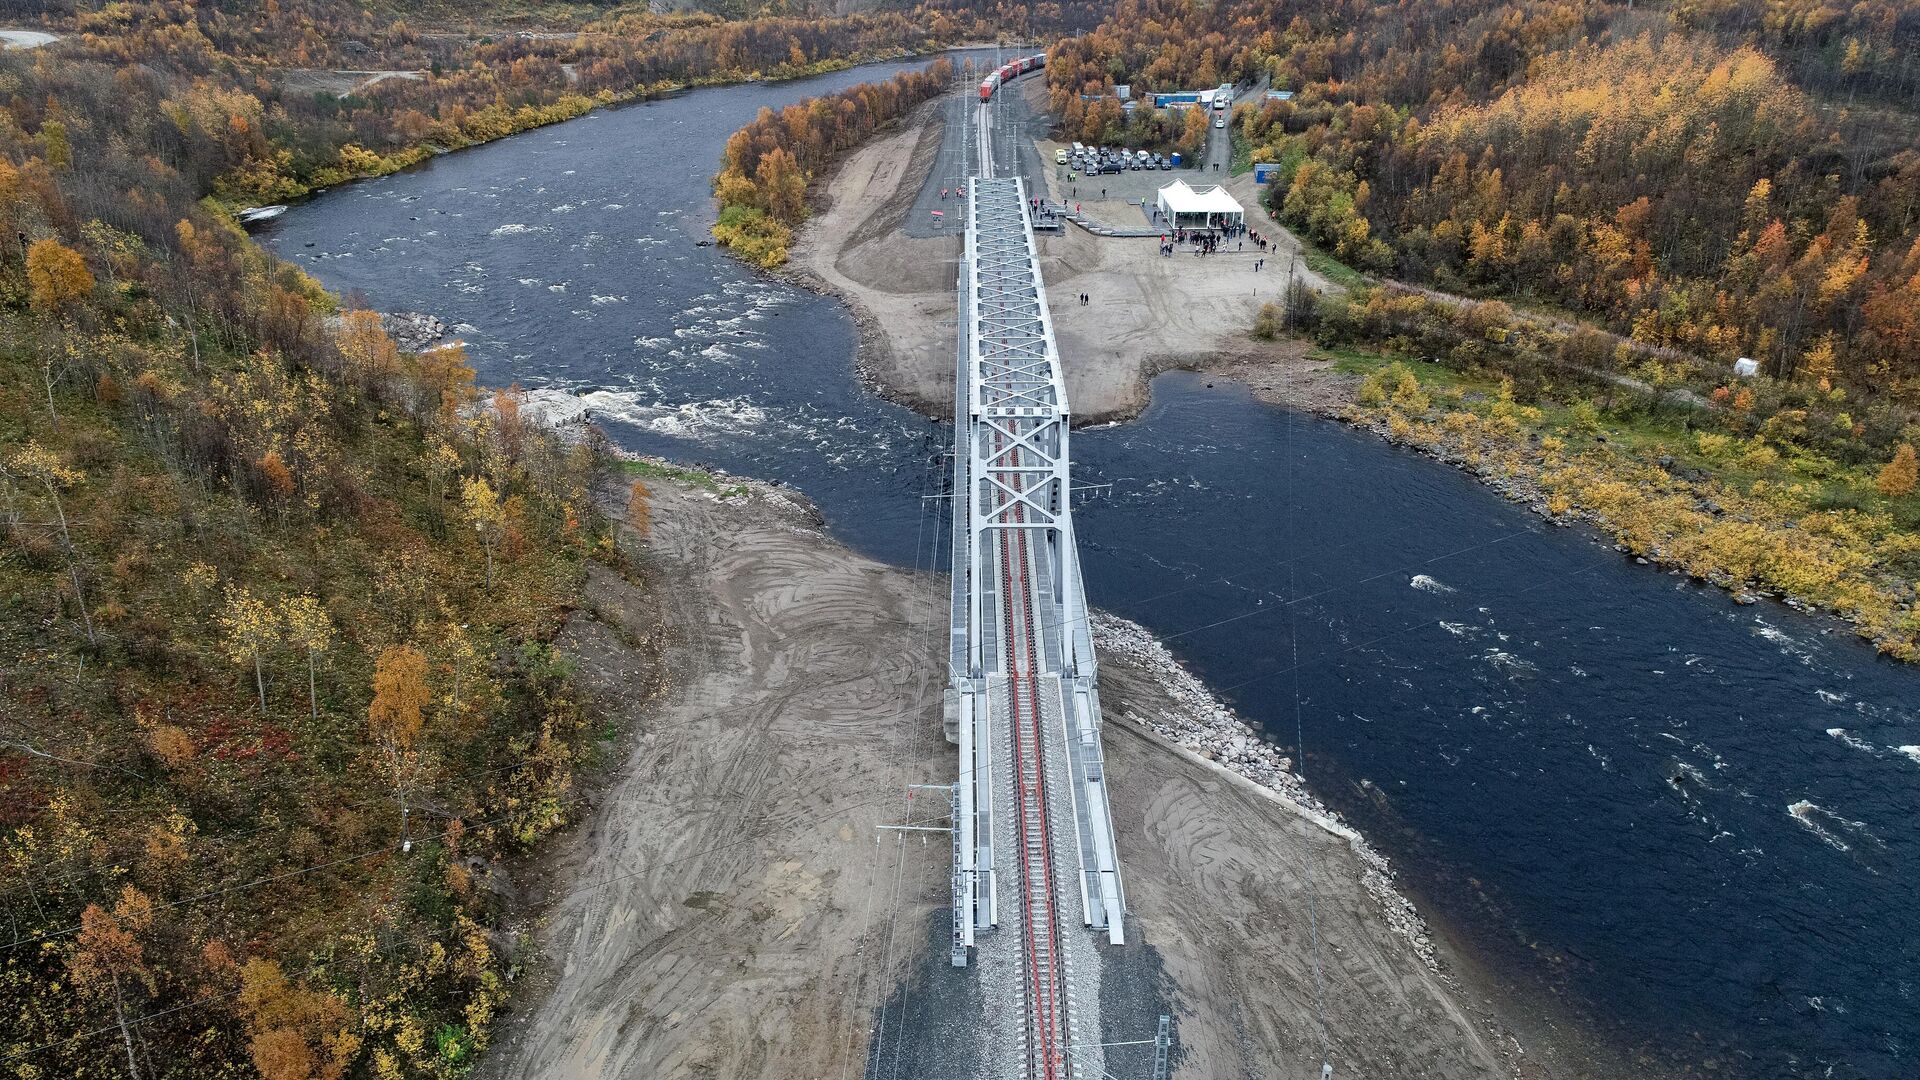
(1242, 160)
(1329, 267)
(641, 469)
(1363, 362)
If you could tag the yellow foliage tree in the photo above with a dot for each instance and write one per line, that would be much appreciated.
(399, 693)
(56, 275)
(42, 466)
(249, 628)
(394, 717)
(274, 471)
(297, 1033)
(311, 630)
(107, 957)
(369, 353)
(486, 515)
(1901, 474)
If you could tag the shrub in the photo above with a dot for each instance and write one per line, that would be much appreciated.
(1758, 455)
(1266, 325)
(1712, 445)
(749, 233)
(1583, 418)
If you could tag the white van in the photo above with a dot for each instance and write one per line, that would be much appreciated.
(1079, 149)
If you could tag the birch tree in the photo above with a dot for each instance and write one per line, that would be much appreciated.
(107, 958)
(309, 629)
(44, 467)
(394, 717)
(486, 515)
(250, 629)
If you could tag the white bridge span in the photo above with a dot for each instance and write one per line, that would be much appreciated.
(1035, 875)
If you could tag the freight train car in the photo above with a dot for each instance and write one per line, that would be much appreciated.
(1008, 72)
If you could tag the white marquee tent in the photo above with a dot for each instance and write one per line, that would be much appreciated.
(1207, 208)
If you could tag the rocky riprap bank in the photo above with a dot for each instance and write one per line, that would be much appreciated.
(1202, 725)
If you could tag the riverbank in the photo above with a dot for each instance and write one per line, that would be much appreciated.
(1760, 522)
(235, 192)
(1145, 314)
(1757, 520)
(725, 908)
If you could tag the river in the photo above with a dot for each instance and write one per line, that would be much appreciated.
(1692, 821)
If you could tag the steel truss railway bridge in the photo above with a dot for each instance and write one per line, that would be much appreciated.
(1036, 879)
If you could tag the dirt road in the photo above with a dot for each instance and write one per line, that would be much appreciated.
(901, 288)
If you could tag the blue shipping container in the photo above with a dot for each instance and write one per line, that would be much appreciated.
(1265, 172)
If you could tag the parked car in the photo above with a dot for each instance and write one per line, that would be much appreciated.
(1060, 156)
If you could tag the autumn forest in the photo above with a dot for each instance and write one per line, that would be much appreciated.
(279, 705)
(279, 702)
(1704, 178)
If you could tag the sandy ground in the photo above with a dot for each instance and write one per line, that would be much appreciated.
(901, 288)
(1231, 889)
(338, 82)
(1280, 929)
(729, 909)
(26, 39)
(1145, 314)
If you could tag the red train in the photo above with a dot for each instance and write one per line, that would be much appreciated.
(1012, 70)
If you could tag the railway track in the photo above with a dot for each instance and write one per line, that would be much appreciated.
(1033, 852)
(1040, 925)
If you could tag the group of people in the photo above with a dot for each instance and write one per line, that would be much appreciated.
(1044, 211)
(1209, 241)
(1204, 242)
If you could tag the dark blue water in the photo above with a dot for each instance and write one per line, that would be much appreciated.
(1693, 821)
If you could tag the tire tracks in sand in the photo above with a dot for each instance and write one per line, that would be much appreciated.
(711, 916)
